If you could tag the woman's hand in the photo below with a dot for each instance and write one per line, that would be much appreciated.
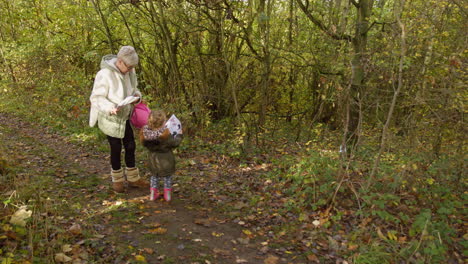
(137, 100)
(114, 111)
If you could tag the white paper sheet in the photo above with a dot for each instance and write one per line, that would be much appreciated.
(174, 125)
(128, 100)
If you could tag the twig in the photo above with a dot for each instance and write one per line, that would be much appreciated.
(420, 240)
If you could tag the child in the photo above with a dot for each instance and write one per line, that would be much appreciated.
(159, 141)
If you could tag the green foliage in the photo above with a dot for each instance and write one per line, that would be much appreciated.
(311, 180)
(373, 253)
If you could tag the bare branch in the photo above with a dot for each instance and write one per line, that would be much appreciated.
(321, 25)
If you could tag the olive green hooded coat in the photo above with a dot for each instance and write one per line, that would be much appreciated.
(160, 156)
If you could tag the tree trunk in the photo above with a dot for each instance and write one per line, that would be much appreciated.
(358, 63)
(395, 96)
(108, 32)
(264, 11)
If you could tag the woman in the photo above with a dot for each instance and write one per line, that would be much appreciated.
(113, 83)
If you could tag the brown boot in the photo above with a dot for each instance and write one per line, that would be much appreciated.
(134, 179)
(118, 180)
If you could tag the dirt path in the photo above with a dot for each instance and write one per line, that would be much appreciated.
(124, 228)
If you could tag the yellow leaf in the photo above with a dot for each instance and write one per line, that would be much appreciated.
(7, 227)
(391, 235)
(66, 248)
(140, 258)
(158, 231)
(379, 233)
(247, 232)
(217, 234)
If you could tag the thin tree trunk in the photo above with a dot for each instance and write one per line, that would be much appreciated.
(364, 10)
(264, 26)
(124, 18)
(171, 47)
(108, 32)
(395, 96)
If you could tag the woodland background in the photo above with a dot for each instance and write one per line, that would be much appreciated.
(284, 84)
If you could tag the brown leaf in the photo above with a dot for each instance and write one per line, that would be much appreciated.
(75, 229)
(222, 252)
(203, 221)
(313, 257)
(240, 205)
(158, 231)
(271, 260)
(11, 235)
(353, 247)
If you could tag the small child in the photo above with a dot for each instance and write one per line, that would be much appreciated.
(159, 142)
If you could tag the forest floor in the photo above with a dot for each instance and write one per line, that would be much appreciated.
(79, 219)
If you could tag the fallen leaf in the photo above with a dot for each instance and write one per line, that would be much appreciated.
(66, 248)
(203, 222)
(271, 260)
(158, 231)
(247, 232)
(148, 251)
(243, 241)
(60, 257)
(241, 260)
(303, 217)
(20, 216)
(316, 223)
(380, 234)
(353, 247)
(222, 252)
(215, 234)
(140, 258)
(313, 257)
(240, 205)
(75, 229)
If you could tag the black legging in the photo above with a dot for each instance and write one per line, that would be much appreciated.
(116, 148)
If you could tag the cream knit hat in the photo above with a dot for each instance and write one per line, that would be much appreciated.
(128, 55)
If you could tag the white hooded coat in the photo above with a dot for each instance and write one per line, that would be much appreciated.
(110, 88)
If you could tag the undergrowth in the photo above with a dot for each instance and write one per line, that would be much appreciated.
(414, 211)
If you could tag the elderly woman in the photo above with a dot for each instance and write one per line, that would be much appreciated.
(113, 83)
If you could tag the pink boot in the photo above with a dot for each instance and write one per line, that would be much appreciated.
(167, 194)
(154, 194)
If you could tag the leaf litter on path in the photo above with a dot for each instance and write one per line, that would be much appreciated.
(203, 234)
